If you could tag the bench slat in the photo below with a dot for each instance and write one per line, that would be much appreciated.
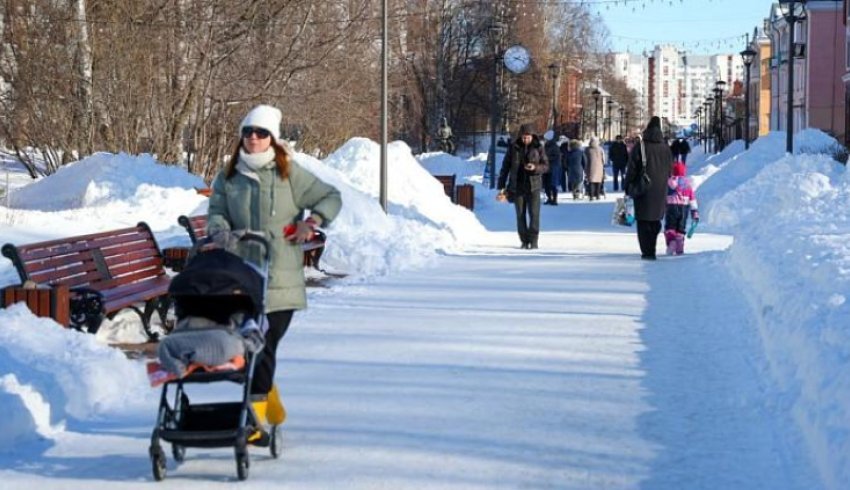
(36, 251)
(123, 296)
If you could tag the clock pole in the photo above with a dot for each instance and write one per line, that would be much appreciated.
(495, 32)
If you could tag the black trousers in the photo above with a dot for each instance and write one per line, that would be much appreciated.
(527, 208)
(647, 232)
(264, 369)
(619, 174)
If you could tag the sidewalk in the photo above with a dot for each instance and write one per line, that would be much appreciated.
(590, 376)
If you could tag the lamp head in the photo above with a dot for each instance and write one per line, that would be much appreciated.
(793, 10)
(748, 55)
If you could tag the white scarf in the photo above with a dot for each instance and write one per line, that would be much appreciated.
(257, 161)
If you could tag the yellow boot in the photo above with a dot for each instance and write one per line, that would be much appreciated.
(276, 412)
(260, 409)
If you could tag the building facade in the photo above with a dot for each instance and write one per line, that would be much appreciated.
(818, 99)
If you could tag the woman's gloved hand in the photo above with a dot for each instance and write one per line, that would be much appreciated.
(300, 231)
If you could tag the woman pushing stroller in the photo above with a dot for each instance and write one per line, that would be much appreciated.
(264, 190)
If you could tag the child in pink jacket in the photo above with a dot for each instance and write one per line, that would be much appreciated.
(681, 200)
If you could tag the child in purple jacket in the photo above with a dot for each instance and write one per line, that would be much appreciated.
(680, 201)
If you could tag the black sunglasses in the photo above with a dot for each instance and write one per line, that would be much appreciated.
(261, 133)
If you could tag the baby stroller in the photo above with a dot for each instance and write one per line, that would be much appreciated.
(219, 298)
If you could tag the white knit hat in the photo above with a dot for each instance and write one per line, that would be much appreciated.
(266, 117)
(548, 135)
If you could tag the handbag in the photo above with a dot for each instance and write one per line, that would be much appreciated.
(624, 212)
(638, 187)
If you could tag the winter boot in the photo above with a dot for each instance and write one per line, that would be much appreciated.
(680, 243)
(259, 405)
(275, 411)
(670, 239)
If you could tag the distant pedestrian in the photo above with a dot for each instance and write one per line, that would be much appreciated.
(674, 149)
(684, 150)
(564, 145)
(681, 201)
(619, 156)
(595, 168)
(575, 163)
(521, 180)
(651, 205)
(552, 179)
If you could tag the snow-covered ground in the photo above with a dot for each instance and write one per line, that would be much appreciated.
(450, 358)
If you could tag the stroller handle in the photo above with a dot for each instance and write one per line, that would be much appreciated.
(253, 236)
(238, 236)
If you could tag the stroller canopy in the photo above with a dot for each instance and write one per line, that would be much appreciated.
(217, 283)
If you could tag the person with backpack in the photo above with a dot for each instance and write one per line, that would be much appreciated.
(681, 201)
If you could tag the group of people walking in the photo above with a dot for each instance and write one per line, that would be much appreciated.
(532, 167)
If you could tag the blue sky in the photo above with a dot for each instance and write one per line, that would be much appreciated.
(704, 26)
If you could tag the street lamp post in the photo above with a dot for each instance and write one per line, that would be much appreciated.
(718, 97)
(554, 73)
(596, 94)
(495, 31)
(709, 126)
(608, 105)
(747, 55)
(698, 117)
(792, 15)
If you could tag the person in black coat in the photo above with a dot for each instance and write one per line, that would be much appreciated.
(650, 207)
(684, 149)
(552, 179)
(575, 163)
(618, 154)
(675, 149)
(521, 180)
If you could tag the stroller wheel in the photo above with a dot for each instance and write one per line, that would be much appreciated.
(158, 465)
(179, 452)
(275, 443)
(242, 464)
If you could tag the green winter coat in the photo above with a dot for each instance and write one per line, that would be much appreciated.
(267, 205)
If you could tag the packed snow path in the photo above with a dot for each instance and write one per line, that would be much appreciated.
(576, 366)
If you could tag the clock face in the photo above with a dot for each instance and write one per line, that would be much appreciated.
(517, 59)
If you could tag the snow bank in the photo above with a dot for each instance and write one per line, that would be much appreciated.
(51, 373)
(108, 191)
(791, 224)
(722, 173)
(411, 190)
(100, 179)
(467, 171)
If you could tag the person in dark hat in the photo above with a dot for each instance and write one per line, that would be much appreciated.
(521, 180)
(651, 204)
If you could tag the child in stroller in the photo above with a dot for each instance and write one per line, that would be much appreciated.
(219, 299)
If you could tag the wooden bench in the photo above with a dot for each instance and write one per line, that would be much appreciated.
(196, 227)
(106, 273)
(448, 182)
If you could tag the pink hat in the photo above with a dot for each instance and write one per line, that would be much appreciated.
(679, 169)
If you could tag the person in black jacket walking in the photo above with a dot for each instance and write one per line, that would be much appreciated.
(650, 206)
(552, 179)
(619, 156)
(521, 179)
